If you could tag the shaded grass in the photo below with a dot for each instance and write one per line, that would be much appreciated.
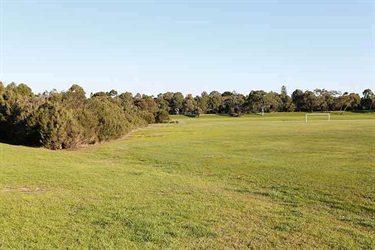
(211, 182)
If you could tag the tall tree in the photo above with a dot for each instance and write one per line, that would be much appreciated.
(297, 97)
(348, 101)
(256, 101)
(202, 101)
(189, 105)
(176, 102)
(310, 101)
(368, 100)
(214, 102)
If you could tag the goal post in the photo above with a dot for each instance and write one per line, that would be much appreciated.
(318, 114)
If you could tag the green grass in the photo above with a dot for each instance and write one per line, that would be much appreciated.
(212, 182)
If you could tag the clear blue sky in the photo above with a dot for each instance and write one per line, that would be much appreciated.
(189, 46)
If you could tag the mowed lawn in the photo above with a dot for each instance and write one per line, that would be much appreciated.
(204, 183)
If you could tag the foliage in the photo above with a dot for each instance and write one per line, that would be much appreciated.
(54, 127)
(58, 120)
(162, 116)
(368, 100)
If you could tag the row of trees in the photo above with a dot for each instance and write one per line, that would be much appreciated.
(68, 119)
(235, 104)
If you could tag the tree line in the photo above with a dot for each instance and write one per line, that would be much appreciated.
(235, 104)
(68, 119)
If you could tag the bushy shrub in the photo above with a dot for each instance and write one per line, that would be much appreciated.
(111, 120)
(147, 116)
(161, 116)
(55, 127)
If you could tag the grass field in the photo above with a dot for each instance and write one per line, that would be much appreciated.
(207, 183)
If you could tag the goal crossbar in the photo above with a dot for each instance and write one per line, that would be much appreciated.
(319, 114)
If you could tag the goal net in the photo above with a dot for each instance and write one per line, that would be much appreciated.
(318, 114)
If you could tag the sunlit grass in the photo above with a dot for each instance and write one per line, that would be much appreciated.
(209, 182)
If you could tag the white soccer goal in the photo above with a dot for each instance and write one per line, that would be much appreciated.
(319, 114)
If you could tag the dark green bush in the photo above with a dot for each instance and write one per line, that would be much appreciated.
(162, 116)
